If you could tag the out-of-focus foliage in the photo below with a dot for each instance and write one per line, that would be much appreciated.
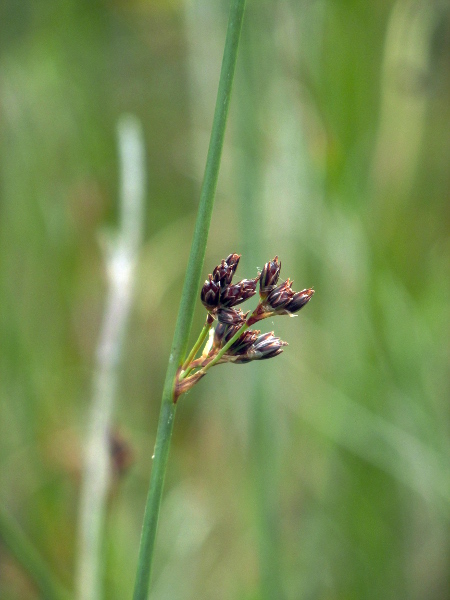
(321, 474)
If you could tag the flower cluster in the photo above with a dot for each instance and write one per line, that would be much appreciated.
(232, 340)
(218, 293)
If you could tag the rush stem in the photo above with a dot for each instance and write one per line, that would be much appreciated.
(187, 303)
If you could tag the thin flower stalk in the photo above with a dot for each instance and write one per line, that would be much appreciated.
(198, 344)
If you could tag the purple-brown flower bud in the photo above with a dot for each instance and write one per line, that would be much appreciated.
(230, 321)
(210, 293)
(264, 346)
(232, 295)
(280, 296)
(232, 316)
(244, 342)
(224, 272)
(222, 335)
(219, 337)
(221, 273)
(269, 277)
(268, 346)
(232, 261)
(282, 300)
(299, 300)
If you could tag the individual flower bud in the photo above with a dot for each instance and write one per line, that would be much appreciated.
(222, 332)
(232, 295)
(280, 296)
(231, 316)
(220, 271)
(210, 294)
(223, 273)
(265, 346)
(299, 300)
(230, 321)
(268, 346)
(232, 261)
(219, 335)
(269, 277)
(222, 335)
(244, 342)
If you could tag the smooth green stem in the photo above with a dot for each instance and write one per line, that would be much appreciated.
(188, 300)
(196, 347)
(17, 543)
(161, 454)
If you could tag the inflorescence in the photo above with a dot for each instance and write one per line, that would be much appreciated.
(232, 340)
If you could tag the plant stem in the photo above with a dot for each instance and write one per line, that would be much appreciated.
(26, 554)
(188, 299)
(198, 343)
(222, 351)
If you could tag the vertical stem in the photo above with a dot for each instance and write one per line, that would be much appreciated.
(188, 298)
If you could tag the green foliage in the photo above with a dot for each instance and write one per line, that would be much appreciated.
(332, 476)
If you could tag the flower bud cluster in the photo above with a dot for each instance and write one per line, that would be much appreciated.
(218, 293)
(278, 299)
(220, 297)
(232, 339)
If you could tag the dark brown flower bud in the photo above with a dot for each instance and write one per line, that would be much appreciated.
(223, 334)
(221, 273)
(230, 321)
(280, 296)
(299, 300)
(244, 342)
(232, 295)
(210, 293)
(282, 301)
(268, 346)
(232, 261)
(231, 316)
(265, 346)
(224, 272)
(269, 277)
(218, 340)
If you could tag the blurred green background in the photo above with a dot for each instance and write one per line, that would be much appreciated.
(321, 474)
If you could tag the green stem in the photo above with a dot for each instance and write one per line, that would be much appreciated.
(198, 344)
(26, 554)
(188, 299)
(222, 351)
(161, 454)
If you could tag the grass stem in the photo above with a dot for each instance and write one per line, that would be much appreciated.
(188, 300)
